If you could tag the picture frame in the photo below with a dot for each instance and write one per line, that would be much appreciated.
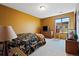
(69, 31)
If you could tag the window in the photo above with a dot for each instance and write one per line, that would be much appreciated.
(62, 25)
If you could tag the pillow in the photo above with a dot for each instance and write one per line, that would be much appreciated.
(40, 37)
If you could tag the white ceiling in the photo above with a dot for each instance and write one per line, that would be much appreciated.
(51, 8)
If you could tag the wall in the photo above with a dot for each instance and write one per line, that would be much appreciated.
(21, 22)
(77, 22)
(50, 21)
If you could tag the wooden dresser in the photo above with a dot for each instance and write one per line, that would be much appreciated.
(48, 34)
(72, 47)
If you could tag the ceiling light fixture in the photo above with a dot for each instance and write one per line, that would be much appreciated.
(42, 7)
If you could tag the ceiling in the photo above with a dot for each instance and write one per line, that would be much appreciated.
(51, 9)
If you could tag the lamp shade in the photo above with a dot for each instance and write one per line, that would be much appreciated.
(7, 33)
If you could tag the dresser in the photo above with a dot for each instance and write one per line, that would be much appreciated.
(48, 34)
(72, 47)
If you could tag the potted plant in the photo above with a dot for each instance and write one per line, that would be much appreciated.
(75, 36)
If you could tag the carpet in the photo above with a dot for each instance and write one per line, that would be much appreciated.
(53, 47)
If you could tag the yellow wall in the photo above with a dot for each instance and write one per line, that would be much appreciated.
(21, 22)
(50, 21)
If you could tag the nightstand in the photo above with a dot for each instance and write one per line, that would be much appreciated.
(72, 47)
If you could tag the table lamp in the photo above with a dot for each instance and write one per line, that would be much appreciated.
(6, 34)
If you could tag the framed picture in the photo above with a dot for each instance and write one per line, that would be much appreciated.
(69, 31)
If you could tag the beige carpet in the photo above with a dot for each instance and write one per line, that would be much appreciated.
(53, 47)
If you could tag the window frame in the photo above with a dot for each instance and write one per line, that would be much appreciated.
(62, 22)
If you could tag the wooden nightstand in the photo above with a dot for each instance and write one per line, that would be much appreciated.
(72, 47)
(18, 51)
(1, 49)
